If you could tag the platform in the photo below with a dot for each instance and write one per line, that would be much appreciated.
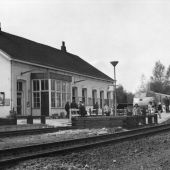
(22, 123)
(22, 127)
(164, 117)
(49, 122)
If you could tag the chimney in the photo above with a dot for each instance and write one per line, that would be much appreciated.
(63, 47)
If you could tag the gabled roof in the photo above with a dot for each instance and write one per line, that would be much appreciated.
(29, 51)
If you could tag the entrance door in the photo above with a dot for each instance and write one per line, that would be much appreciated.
(94, 96)
(19, 103)
(101, 99)
(74, 94)
(20, 97)
(45, 103)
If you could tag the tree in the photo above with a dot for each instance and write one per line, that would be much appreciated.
(123, 96)
(157, 86)
(168, 73)
(143, 86)
(158, 71)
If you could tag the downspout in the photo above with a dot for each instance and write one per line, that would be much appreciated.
(11, 86)
(30, 95)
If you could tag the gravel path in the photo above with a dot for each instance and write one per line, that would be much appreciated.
(150, 153)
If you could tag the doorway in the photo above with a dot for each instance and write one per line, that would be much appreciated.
(45, 103)
(75, 94)
(19, 103)
(20, 97)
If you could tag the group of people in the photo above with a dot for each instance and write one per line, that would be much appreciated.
(81, 108)
(151, 109)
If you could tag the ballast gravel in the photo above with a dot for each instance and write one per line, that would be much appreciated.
(17, 141)
(149, 153)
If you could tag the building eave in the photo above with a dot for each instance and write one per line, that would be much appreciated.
(5, 55)
(58, 69)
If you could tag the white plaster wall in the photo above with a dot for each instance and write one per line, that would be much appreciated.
(17, 69)
(89, 83)
(5, 83)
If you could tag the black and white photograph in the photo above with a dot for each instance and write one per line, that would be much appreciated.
(84, 85)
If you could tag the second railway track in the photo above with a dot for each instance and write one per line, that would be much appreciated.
(12, 155)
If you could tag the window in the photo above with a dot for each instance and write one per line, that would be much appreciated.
(94, 96)
(52, 99)
(68, 96)
(60, 93)
(2, 98)
(58, 85)
(36, 100)
(63, 87)
(36, 85)
(36, 94)
(19, 86)
(84, 95)
(52, 84)
(44, 84)
(63, 99)
(58, 99)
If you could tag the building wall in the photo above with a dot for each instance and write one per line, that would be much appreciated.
(5, 84)
(22, 72)
(77, 81)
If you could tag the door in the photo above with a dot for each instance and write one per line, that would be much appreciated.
(74, 94)
(19, 103)
(45, 103)
(94, 96)
(84, 96)
(20, 97)
(101, 99)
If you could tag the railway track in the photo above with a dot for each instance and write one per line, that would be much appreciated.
(13, 155)
(32, 131)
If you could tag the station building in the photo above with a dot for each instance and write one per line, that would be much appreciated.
(37, 79)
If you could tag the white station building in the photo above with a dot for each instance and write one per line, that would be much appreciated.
(37, 79)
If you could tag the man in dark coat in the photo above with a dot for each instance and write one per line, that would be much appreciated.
(96, 107)
(166, 102)
(67, 109)
(74, 105)
(82, 109)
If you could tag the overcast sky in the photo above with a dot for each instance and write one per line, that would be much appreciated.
(134, 32)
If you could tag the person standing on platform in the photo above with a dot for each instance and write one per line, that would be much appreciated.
(96, 107)
(74, 106)
(159, 109)
(166, 101)
(136, 110)
(82, 109)
(67, 109)
(106, 110)
(149, 108)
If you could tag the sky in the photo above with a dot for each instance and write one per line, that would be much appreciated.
(134, 32)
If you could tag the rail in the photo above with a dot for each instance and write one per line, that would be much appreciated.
(12, 155)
